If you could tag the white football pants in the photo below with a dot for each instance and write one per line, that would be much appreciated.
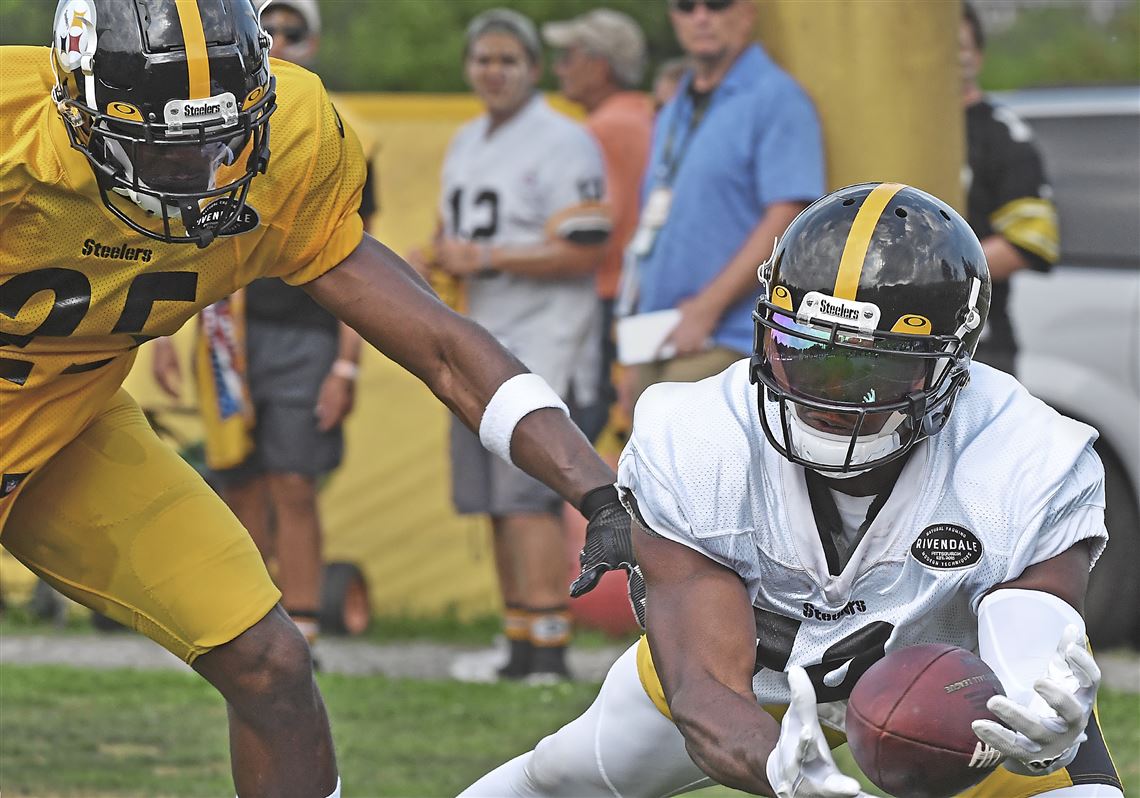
(621, 747)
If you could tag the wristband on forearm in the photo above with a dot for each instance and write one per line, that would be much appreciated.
(515, 399)
(345, 369)
(596, 499)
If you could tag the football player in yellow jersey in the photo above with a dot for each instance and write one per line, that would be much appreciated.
(137, 187)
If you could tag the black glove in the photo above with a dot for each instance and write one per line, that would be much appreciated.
(608, 547)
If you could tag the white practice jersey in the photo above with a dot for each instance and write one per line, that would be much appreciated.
(1008, 483)
(538, 176)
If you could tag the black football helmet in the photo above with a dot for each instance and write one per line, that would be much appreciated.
(870, 311)
(170, 102)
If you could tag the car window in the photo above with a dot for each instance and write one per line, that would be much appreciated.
(1090, 143)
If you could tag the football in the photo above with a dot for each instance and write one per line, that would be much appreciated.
(909, 716)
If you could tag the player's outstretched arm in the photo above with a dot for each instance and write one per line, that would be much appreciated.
(702, 634)
(1030, 631)
(380, 296)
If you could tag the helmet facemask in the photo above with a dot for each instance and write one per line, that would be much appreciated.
(850, 398)
(172, 171)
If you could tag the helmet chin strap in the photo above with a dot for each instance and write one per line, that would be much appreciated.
(829, 449)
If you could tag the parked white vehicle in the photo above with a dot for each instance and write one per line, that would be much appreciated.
(1078, 327)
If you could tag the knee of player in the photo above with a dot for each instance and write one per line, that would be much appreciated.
(551, 766)
(274, 661)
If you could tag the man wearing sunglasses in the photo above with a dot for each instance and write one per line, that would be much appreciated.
(857, 486)
(735, 155)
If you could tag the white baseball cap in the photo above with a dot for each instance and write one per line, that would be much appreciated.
(308, 9)
(608, 34)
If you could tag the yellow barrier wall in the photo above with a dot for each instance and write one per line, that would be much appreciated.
(885, 80)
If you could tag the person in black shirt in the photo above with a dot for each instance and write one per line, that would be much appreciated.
(300, 374)
(1008, 200)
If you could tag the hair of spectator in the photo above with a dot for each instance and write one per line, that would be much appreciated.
(504, 20)
(971, 18)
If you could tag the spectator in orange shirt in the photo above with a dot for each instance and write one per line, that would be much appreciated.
(600, 62)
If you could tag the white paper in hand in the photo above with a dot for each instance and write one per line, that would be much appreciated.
(641, 338)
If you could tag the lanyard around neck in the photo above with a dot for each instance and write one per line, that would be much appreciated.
(670, 161)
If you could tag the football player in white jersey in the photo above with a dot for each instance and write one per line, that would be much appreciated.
(856, 486)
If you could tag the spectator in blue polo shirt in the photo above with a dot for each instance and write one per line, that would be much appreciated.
(736, 155)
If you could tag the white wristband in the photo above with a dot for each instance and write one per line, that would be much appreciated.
(516, 398)
(344, 368)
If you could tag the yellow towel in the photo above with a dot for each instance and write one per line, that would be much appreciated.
(220, 371)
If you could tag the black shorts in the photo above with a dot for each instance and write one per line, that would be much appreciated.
(287, 366)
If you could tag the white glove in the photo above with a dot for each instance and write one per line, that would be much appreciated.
(1045, 735)
(801, 766)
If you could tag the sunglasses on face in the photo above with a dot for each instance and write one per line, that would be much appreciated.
(292, 35)
(689, 6)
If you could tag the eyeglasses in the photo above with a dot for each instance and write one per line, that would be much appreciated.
(689, 6)
(292, 34)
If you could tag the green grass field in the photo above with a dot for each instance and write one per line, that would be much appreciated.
(95, 734)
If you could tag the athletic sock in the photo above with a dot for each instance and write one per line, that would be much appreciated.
(516, 628)
(550, 634)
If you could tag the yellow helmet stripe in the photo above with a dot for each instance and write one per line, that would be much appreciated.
(193, 34)
(859, 239)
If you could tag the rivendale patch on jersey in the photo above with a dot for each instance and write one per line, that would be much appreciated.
(946, 546)
(222, 207)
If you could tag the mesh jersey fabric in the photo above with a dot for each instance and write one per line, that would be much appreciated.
(79, 291)
(1021, 480)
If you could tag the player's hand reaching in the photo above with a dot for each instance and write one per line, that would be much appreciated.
(608, 547)
(1045, 735)
(801, 765)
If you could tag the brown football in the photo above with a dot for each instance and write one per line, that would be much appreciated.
(909, 716)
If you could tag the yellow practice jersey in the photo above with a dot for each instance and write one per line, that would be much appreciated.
(80, 291)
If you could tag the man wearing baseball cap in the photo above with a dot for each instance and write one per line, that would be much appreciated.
(600, 62)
